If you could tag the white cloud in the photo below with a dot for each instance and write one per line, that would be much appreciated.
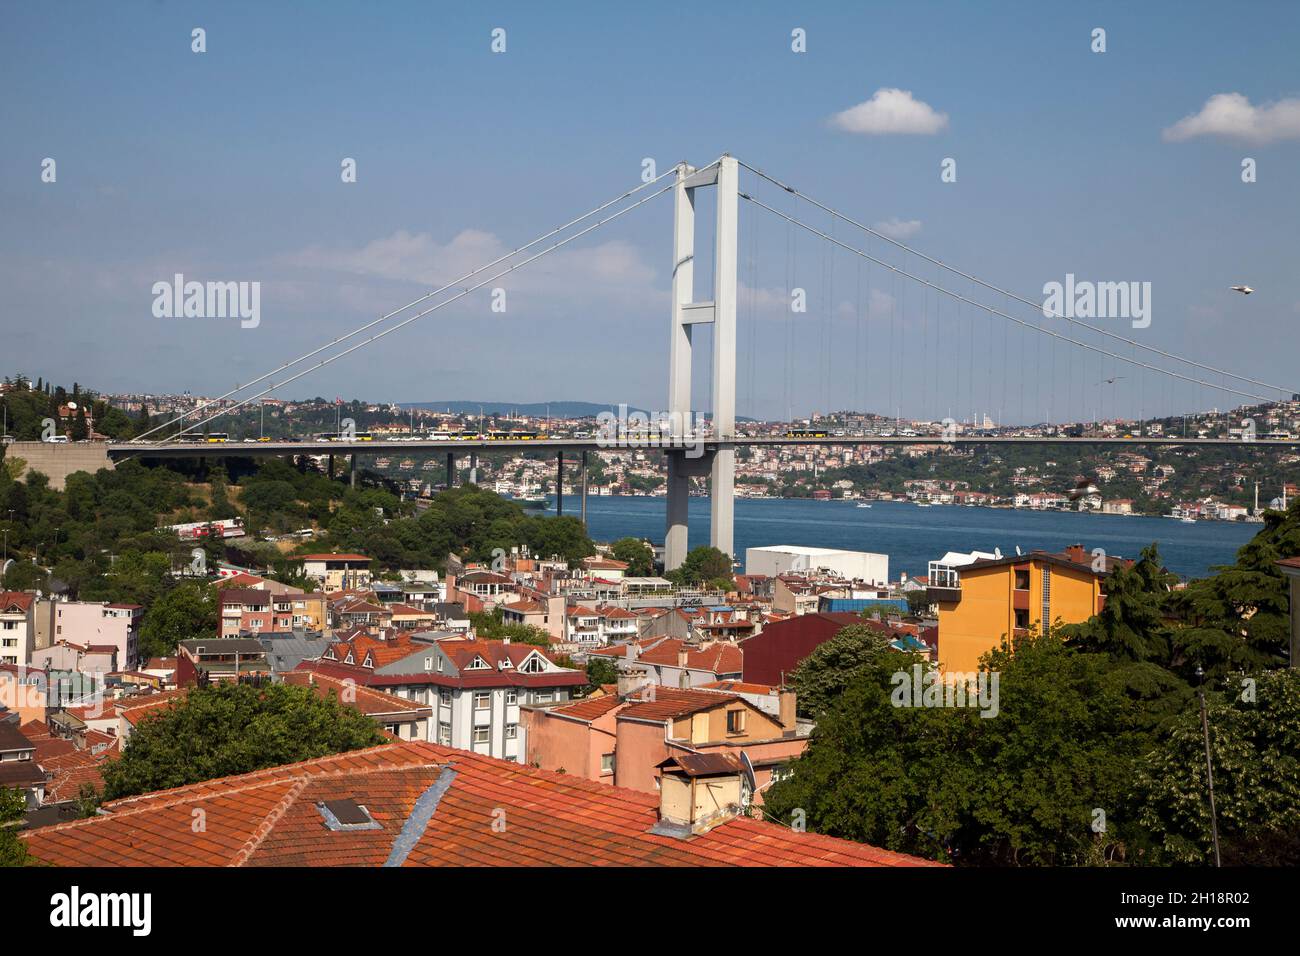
(613, 269)
(891, 111)
(1232, 116)
(898, 228)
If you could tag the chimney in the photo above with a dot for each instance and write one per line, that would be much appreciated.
(698, 792)
(1077, 554)
(786, 707)
(630, 680)
(682, 657)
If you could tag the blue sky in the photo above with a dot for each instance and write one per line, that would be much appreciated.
(225, 166)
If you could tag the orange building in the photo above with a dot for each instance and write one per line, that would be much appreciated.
(983, 602)
(623, 738)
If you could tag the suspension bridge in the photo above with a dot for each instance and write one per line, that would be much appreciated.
(958, 322)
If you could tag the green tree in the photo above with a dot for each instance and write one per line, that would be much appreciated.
(1239, 618)
(703, 564)
(1254, 726)
(823, 676)
(189, 610)
(1017, 787)
(230, 729)
(13, 804)
(640, 557)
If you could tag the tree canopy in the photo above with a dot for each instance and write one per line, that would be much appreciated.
(228, 728)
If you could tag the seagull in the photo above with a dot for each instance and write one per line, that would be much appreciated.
(1243, 289)
(1111, 381)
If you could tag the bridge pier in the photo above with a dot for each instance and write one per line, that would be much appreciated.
(559, 484)
(451, 470)
(584, 488)
(681, 470)
(473, 468)
(721, 314)
(352, 470)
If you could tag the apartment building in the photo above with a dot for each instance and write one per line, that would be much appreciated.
(624, 738)
(672, 662)
(337, 572)
(220, 659)
(17, 627)
(476, 687)
(91, 624)
(982, 602)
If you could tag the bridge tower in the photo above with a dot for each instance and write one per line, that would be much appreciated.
(720, 312)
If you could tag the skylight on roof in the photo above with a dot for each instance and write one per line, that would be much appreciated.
(345, 815)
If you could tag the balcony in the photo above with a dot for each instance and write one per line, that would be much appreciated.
(939, 594)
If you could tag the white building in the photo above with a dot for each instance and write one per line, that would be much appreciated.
(17, 630)
(785, 558)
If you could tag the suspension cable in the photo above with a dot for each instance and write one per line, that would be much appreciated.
(1047, 313)
(1027, 325)
(414, 302)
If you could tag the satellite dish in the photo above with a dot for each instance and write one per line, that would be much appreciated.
(748, 767)
(1017, 551)
(72, 405)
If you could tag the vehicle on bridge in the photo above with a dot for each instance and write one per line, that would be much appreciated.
(210, 438)
(514, 436)
(807, 433)
(345, 436)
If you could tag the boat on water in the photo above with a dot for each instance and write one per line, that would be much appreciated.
(863, 504)
(923, 504)
(1187, 519)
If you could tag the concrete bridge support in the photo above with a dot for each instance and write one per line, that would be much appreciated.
(721, 314)
(58, 460)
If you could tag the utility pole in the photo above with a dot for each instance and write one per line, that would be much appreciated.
(1209, 766)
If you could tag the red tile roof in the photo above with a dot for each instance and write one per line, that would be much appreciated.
(15, 599)
(271, 818)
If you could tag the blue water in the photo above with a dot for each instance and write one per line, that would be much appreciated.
(913, 536)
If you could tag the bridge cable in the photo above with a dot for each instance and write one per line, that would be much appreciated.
(419, 315)
(414, 302)
(1022, 323)
(1035, 305)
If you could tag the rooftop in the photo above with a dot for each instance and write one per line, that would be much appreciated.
(430, 804)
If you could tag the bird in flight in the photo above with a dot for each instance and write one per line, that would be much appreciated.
(1111, 381)
(1243, 289)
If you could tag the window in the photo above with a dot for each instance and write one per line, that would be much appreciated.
(542, 697)
(512, 697)
(735, 721)
(534, 665)
(606, 763)
(482, 735)
(1022, 579)
(1022, 618)
(477, 664)
(445, 697)
(444, 734)
(482, 700)
(428, 663)
(512, 731)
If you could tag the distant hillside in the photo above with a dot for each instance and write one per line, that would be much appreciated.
(531, 409)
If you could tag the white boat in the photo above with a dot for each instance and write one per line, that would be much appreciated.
(1187, 519)
(863, 504)
(923, 504)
